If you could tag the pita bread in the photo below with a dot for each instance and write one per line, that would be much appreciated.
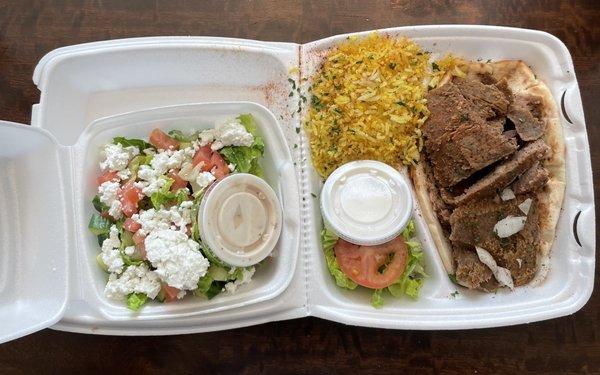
(521, 80)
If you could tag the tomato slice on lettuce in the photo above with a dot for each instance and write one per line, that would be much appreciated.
(163, 141)
(362, 264)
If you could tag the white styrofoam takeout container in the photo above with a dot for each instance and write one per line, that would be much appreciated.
(47, 273)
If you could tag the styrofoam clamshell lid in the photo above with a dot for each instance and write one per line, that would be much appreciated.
(34, 231)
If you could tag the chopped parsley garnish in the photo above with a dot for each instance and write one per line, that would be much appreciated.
(435, 66)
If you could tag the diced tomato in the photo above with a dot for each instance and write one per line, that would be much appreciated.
(161, 140)
(131, 225)
(170, 293)
(362, 263)
(138, 239)
(130, 197)
(108, 176)
(220, 168)
(204, 155)
(179, 183)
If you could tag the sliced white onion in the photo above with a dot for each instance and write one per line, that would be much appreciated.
(189, 172)
(507, 194)
(525, 206)
(501, 274)
(520, 262)
(509, 226)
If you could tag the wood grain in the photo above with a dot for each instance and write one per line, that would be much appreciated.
(29, 29)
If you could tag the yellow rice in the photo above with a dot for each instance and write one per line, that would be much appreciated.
(368, 103)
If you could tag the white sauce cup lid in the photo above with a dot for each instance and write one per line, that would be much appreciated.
(366, 202)
(240, 219)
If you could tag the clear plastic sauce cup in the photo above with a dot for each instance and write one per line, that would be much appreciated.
(366, 202)
(240, 219)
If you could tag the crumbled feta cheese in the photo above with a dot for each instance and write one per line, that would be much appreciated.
(509, 226)
(231, 167)
(231, 133)
(116, 157)
(181, 294)
(247, 273)
(135, 279)
(154, 220)
(189, 152)
(204, 179)
(152, 180)
(124, 174)
(501, 274)
(207, 136)
(129, 250)
(160, 163)
(507, 194)
(525, 206)
(108, 193)
(110, 252)
(177, 258)
(116, 209)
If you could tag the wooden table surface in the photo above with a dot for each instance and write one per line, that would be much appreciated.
(29, 29)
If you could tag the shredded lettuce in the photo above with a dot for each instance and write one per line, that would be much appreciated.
(99, 206)
(209, 287)
(126, 142)
(246, 159)
(99, 225)
(165, 195)
(411, 280)
(101, 263)
(136, 300)
(329, 239)
(134, 164)
(377, 299)
(127, 240)
(180, 136)
(204, 284)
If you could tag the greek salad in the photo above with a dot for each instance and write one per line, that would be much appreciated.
(147, 202)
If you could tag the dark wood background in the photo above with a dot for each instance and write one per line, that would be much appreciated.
(29, 29)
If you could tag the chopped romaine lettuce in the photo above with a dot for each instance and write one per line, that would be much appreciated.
(178, 135)
(329, 239)
(377, 299)
(134, 164)
(246, 159)
(218, 273)
(215, 288)
(99, 225)
(136, 300)
(204, 284)
(101, 263)
(126, 142)
(165, 195)
(99, 206)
